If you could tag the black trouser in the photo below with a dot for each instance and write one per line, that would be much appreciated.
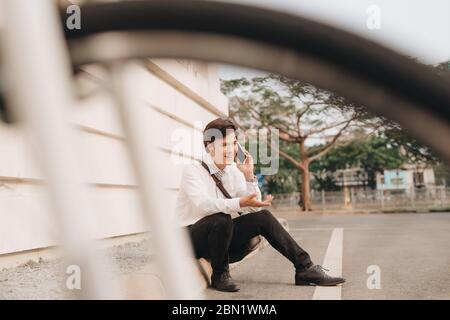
(222, 239)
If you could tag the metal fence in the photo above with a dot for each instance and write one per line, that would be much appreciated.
(430, 198)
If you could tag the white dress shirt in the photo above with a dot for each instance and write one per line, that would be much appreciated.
(199, 196)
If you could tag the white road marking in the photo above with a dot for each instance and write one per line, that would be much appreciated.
(332, 262)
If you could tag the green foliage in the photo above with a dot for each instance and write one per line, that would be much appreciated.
(372, 155)
(443, 67)
(285, 181)
(291, 106)
(413, 150)
(300, 110)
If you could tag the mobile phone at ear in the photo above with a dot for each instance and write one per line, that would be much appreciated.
(240, 153)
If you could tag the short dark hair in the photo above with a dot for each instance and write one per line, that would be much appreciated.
(222, 125)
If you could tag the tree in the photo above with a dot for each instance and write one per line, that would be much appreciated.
(443, 67)
(299, 112)
(286, 180)
(442, 169)
(413, 150)
(373, 155)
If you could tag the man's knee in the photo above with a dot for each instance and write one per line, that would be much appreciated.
(222, 220)
(265, 214)
(265, 217)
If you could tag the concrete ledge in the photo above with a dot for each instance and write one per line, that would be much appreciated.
(15, 259)
(146, 284)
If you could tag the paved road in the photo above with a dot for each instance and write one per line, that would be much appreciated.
(411, 251)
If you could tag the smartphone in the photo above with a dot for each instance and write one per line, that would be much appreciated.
(240, 153)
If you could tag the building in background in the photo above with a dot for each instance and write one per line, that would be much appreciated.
(406, 178)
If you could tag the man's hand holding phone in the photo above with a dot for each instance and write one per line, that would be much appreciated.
(245, 163)
(251, 201)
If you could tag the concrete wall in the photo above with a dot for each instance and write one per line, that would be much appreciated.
(174, 95)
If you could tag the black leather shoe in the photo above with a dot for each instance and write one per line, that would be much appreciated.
(316, 276)
(223, 282)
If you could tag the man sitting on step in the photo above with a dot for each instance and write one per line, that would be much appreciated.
(220, 205)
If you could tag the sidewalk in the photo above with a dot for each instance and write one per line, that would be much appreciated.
(295, 213)
(133, 267)
(146, 284)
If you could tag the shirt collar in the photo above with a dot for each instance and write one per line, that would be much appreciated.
(211, 165)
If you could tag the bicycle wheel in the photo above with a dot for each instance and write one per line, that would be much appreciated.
(383, 81)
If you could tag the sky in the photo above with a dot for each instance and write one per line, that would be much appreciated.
(418, 28)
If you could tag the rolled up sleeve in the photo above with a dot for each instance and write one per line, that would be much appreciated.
(244, 188)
